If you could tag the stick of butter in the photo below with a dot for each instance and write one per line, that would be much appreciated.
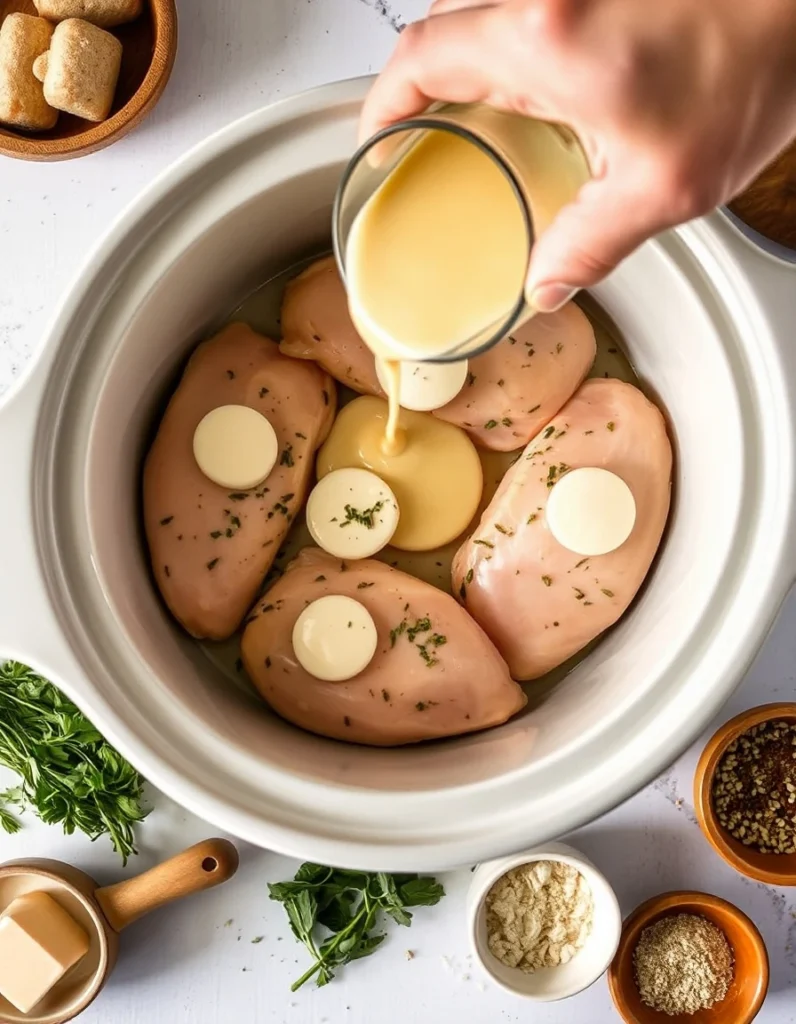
(39, 942)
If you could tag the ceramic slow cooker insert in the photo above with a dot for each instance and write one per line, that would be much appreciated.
(706, 319)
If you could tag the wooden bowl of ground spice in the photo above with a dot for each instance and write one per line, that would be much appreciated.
(745, 793)
(689, 957)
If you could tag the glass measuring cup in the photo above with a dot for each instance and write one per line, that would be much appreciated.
(543, 164)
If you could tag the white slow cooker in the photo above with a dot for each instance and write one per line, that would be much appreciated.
(709, 323)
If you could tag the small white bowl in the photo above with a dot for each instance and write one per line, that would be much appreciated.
(549, 983)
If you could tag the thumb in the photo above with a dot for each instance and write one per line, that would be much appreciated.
(588, 238)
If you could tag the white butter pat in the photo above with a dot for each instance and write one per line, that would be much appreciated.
(334, 638)
(235, 447)
(426, 386)
(591, 511)
(352, 513)
(39, 942)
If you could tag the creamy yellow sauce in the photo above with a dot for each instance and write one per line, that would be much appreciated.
(436, 476)
(393, 442)
(438, 253)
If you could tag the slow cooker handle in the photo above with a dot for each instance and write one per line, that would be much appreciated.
(29, 628)
(774, 283)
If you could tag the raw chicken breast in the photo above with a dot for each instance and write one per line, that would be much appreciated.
(539, 602)
(316, 325)
(518, 385)
(512, 390)
(435, 673)
(211, 548)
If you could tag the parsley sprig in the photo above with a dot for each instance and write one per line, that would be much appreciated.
(346, 904)
(69, 773)
(366, 517)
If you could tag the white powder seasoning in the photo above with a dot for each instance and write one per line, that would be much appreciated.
(539, 915)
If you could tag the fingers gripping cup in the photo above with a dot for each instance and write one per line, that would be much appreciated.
(434, 222)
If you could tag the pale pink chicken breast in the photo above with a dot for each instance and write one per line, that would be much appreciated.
(316, 325)
(518, 385)
(211, 548)
(435, 673)
(512, 390)
(537, 601)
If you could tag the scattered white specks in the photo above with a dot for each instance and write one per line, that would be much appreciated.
(666, 785)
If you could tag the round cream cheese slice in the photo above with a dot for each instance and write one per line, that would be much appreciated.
(591, 511)
(352, 513)
(426, 386)
(235, 447)
(334, 638)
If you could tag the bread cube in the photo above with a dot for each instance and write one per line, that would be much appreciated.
(22, 104)
(104, 13)
(81, 69)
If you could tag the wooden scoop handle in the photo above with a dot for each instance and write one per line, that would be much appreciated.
(198, 868)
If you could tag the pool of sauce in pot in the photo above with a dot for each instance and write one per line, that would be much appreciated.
(261, 311)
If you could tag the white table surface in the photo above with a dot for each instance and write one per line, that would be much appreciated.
(196, 962)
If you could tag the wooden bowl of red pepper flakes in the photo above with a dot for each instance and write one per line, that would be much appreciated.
(745, 793)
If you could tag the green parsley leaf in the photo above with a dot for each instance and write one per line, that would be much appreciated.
(366, 517)
(69, 774)
(347, 905)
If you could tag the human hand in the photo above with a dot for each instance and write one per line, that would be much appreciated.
(678, 106)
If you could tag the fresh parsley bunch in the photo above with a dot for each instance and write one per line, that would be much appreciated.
(70, 774)
(347, 904)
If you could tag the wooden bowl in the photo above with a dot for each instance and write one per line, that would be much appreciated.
(771, 868)
(768, 206)
(103, 912)
(750, 983)
(149, 47)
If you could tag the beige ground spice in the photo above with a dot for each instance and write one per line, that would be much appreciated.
(538, 915)
(683, 964)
